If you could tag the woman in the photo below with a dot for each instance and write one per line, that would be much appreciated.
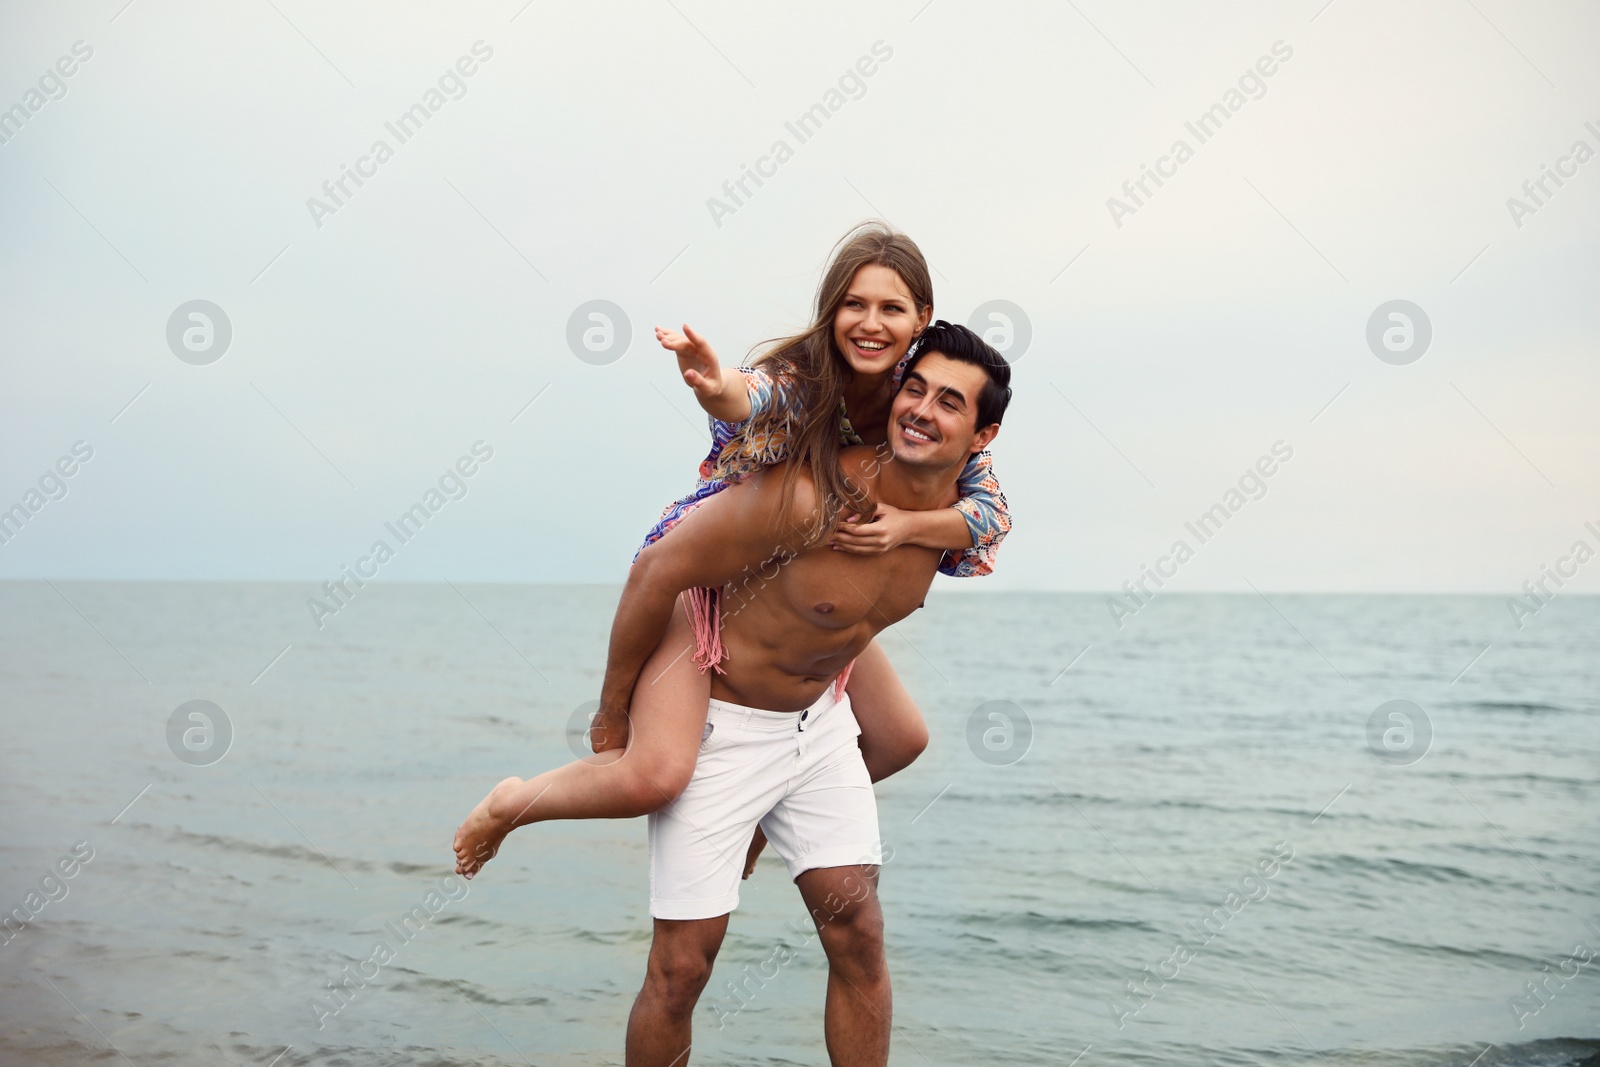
(806, 397)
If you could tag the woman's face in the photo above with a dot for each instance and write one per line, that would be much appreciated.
(877, 321)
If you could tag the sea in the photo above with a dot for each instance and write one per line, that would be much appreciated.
(1267, 828)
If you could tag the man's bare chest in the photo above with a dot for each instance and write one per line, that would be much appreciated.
(839, 590)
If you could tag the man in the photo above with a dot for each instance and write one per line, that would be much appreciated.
(779, 748)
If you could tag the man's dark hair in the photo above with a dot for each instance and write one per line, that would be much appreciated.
(954, 341)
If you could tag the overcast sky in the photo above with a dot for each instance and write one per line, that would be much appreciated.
(1176, 335)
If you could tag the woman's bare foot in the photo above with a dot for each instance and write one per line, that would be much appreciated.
(757, 843)
(480, 834)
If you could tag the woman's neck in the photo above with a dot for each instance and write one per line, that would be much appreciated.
(866, 400)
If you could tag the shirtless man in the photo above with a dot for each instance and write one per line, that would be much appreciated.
(779, 747)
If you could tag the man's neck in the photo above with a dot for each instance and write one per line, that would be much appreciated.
(914, 488)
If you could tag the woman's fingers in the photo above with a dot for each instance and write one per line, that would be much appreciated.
(861, 542)
(696, 360)
(701, 347)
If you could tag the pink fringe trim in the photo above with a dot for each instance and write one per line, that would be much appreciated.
(706, 621)
(840, 682)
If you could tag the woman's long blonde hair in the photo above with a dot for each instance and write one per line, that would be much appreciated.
(819, 371)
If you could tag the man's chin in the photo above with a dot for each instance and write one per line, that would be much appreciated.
(921, 457)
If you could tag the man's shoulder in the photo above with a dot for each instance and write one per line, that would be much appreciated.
(863, 461)
(768, 484)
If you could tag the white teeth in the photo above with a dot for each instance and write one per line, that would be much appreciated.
(917, 435)
(872, 346)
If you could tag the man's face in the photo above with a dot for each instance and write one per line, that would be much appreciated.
(932, 422)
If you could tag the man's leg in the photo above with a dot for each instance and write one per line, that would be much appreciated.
(843, 902)
(681, 955)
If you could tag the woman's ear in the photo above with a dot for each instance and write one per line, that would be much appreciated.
(923, 318)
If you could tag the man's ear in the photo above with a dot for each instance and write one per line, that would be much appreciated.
(981, 440)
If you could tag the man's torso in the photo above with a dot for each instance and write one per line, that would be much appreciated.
(793, 626)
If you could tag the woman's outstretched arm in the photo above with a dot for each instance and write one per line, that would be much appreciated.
(721, 393)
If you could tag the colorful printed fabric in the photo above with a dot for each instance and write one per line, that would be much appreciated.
(982, 503)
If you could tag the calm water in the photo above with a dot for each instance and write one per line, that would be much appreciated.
(1172, 759)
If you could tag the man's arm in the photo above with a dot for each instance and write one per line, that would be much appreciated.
(734, 531)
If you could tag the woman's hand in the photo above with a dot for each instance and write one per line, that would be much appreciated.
(723, 396)
(696, 361)
(889, 527)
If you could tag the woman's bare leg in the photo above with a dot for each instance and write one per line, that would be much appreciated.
(893, 732)
(667, 715)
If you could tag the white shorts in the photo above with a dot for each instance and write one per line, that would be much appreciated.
(798, 774)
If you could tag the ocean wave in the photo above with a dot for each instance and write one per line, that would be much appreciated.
(1526, 707)
(302, 854)
(1033, 920)
(408, 980)
(1395, 868)
(229, 843)
(1515, 961)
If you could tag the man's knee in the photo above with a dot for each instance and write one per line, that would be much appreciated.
(850, 924)
(678, 976)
